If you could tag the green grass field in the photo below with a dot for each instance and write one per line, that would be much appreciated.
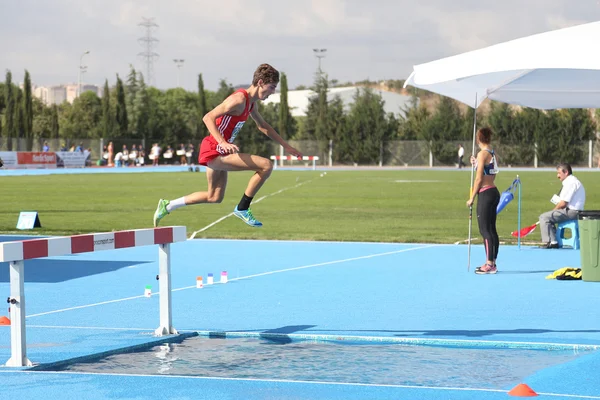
(377, 205)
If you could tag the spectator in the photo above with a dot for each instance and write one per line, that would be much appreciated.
(154, 154)
(79, 148)
(46, 148)
(141, 161)
(189, 154)
(133, 154)
(111, 152)
(181, 154)
(88, 156)
(119, 159)
(125, 157)
(569, 201)
(461, 154)
(168, 155)
(104, 160)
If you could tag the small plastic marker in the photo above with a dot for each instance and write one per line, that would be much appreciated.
(210, 279)
(199, 282)
(522, 390)
(4, 321)
(224, 277)
(148, 291)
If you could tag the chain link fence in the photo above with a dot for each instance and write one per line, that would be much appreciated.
(398, 153)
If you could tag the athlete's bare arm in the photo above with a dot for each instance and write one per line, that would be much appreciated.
(232, 105)
(268, 130)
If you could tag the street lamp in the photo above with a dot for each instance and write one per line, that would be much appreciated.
(319, 53)
(179, 63)
(82, 70)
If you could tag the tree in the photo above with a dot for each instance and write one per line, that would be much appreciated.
(107, 116)
(42, 120)
(526, 124)
(28, 112)
(284, 110)
(202, 110)
(337, 123)
(142, 108)
(315, 123)
(251, 140)
(321, 127)
(55, 129)
(9, 113)
(132, 89)
(225, 90)
(121, 111)
(85, 117)
(367, 129)
(19, 117)
(444, 126)
(413, 119)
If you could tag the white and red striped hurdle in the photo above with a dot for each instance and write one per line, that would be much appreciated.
(17, 252)
(314, 160)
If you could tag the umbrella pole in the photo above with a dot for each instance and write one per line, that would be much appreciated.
(472, 180)
(519, 214)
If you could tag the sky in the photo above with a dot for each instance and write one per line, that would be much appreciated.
(228, 39)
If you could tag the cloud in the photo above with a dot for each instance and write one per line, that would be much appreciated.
(228, 39)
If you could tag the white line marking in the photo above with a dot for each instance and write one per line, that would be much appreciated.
(88, 305)
(292, 381)
(416, 181)
(256, 201)
(240, 278)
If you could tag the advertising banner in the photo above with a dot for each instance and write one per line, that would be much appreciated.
(30, 159)
(9, 159)
(70, 159)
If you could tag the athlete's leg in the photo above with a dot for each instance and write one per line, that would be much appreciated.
(246, 162)
(217, 183)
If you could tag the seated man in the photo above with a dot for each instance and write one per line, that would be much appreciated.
(568, 204)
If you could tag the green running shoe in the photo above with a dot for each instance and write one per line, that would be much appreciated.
(161, 211)
(247, 217)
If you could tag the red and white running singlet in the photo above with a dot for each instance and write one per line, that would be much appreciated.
(229, 126)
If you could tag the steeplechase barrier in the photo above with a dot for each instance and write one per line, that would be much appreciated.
(18, 251)
(314, 159)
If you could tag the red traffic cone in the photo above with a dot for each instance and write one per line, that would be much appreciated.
(522, 390)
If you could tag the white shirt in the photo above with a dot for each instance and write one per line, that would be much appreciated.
(573, 193)
(461, 151)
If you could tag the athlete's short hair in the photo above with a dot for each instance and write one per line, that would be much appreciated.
(267, 73)
(484, 135)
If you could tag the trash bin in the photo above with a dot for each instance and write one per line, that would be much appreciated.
(589, 237)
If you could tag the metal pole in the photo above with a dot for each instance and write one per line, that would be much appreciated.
(164, 284)
(18, 343)
(319, 53)
(519, 215)
(179, 64)
(81, 67)
(472, 179)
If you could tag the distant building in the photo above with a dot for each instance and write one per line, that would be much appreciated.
(41, 93)
(298, 100)
(61, 93)
(56, 95)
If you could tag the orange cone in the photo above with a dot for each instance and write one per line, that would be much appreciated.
(522, 390)
(4, 321)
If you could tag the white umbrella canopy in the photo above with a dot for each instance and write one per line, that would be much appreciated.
(557, 69)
